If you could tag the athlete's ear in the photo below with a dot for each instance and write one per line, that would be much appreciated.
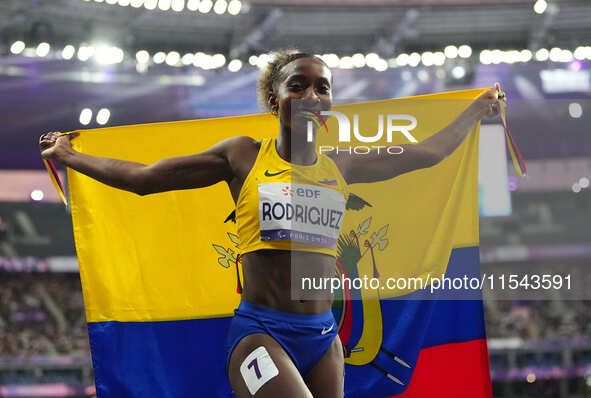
(272, 102)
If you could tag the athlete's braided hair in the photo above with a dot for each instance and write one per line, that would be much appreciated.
(272, 72)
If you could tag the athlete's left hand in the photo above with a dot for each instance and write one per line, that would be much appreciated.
(489, 100)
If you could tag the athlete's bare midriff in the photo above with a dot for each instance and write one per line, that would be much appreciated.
(269, 280)
(268, 277)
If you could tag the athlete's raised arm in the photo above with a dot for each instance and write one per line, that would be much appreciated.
(379, 166)
(182, 172)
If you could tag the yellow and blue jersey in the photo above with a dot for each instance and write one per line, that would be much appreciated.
(284, 206)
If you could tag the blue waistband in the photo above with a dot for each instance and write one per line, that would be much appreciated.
(257, 310)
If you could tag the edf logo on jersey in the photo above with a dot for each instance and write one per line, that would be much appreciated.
(302, 192)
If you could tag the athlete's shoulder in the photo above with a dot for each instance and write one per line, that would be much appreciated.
(237, 145)
(242, 142)
(241, 152)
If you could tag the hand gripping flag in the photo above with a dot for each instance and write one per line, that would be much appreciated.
(159, 272)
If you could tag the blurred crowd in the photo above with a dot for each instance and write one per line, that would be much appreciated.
(538, 320)
(42, 314)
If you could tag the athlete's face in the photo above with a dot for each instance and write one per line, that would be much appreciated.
(305, 85)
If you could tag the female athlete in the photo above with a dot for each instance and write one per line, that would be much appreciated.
(279, 347)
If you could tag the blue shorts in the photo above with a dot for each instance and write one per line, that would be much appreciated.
(305, 338)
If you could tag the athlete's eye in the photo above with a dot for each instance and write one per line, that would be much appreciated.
(295, 87)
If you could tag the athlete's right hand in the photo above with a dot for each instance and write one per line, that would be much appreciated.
(52, 146)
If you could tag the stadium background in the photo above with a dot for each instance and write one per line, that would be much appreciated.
(74, 64)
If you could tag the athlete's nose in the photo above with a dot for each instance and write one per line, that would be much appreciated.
(310, 99)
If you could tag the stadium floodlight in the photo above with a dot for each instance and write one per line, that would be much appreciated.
(525, 55)
(85, 52)
(402, 59)
(207, 62)
(381, 65)
(486, 57)
(102, 117)
(427, 58)
(150, 4)
(111, 2)
(263, 60)
(107, 55)
(540, 6)
(98, 1)
(438, 58)
(142, 56)
(37, 195)
(192, 5)
(465, 51)
(68, 51)
(555, 54)
(85, 116)
(584, 182)
(332, 60)
(17, 47)
(220, 7)
(218, 60)
(123, 3)
(496, 56)
(205, 6)
(510, 57)
(187, 59)
(358, 60)
(371, 59)
(566, 56)
(42, 49)
(200, 59)
(451, 52)
(252, 60)
(164, 5)
(234, 65)
(347, 62)
(159, 57)
(542, 54)
(580, 53)
(234, 7)
(178, 5)
(136, 3)
(414, 59)
(172, 58)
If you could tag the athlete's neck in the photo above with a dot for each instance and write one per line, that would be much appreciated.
(297, 151)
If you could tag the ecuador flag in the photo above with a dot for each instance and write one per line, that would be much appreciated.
(159, 272)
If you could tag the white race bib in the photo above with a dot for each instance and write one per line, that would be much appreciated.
(300, 213)
(257, 369)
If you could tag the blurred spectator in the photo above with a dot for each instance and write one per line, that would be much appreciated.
(42, 314)
(538, 320)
